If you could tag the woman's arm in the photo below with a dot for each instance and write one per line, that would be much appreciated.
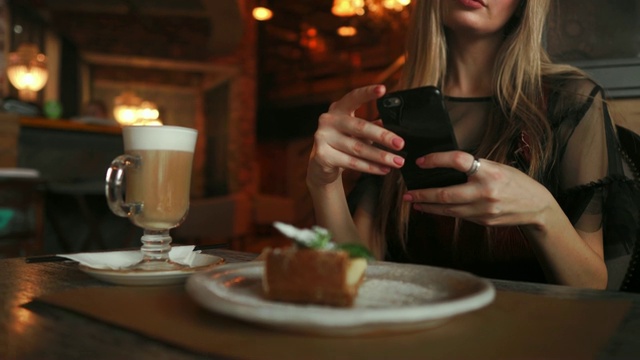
(568, 255)
(343, 141)
(500, 195)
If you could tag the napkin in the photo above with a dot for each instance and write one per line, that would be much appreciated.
(19, 173)
(121, 259)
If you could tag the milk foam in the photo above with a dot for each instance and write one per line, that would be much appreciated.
(159, 138)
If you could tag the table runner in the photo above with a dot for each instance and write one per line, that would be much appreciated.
(515, 325)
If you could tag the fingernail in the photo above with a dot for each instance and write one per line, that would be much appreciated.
(385, 170)
(398, 160)
(398, 143)
(407, 197)
(420, 160)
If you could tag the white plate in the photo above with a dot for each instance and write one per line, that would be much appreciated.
(146, 278)
(393, 297)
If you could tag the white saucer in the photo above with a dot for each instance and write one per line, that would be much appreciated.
(150, 278)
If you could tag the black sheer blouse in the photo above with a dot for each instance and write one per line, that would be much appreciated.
(590, 176)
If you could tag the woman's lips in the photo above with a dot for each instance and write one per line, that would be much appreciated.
(473, 4)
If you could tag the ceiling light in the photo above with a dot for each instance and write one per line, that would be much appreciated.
(347, 8)
(262, 13)
(27, 71)
(126, 107)
(148, 111)
(347, 31)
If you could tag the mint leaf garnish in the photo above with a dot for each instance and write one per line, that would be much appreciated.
(322, 239)
(319, 238)
(356, 250)
(315, 238)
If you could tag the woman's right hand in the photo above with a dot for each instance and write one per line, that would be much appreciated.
(343, 141)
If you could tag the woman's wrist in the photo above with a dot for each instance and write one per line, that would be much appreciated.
(546, 217)
(320, 188)
(318, 180)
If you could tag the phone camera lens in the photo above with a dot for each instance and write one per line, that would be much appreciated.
(392, 102)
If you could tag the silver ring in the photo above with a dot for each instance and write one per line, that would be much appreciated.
(474, 167)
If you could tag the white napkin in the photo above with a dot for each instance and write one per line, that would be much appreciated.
(19, 173)
(122, 259)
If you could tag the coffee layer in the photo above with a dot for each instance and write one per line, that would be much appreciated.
(162, 185)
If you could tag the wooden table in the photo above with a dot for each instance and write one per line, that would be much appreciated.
(42, 331)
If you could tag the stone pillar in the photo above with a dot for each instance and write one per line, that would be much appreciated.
(241, 162)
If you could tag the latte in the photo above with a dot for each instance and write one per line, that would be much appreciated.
(161, 184)
(158, 184)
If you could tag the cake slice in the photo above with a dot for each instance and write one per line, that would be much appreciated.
(314, 270)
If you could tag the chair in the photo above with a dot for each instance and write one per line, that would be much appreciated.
(630, 144)
(21, 212)
(224, 220)
(83, 212)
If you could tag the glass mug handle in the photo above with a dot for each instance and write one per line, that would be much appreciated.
(113, 186)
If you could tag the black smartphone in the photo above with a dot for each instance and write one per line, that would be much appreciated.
(420, 117)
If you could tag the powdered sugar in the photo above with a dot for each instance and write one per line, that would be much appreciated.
(383, 293)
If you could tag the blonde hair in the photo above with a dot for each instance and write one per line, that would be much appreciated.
(520, 66)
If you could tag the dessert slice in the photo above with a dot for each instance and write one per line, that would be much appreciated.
(314, 270)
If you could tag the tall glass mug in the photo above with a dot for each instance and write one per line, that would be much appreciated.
(150, 184)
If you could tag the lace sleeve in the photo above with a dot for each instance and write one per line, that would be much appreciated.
(596, 185)
(585, 158)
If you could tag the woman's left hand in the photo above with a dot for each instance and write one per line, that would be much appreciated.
(495, 195)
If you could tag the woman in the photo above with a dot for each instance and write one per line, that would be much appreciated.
(539, 150)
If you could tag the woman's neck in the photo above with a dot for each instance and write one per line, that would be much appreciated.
(470, 65)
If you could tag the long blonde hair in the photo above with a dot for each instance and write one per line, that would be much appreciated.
(520, 66)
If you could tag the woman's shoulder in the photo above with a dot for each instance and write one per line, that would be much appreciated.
(572, 85)
(571, 95)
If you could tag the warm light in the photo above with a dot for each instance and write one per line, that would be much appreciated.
(262, 13)
(148, 111)
(396, 5)
(126, 107)
(129, 109)
(347, 31)
(313, 41)
(346, 8)
(156, 122)
(312, 32)
(125, 115)
(343, 8)
(27, 71)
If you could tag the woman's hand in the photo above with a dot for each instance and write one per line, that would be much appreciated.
(500, 195)
(495, 195)
(343, 141)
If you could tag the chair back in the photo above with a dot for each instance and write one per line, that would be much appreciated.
(21, 212)
(630, 147)
(223, 220)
